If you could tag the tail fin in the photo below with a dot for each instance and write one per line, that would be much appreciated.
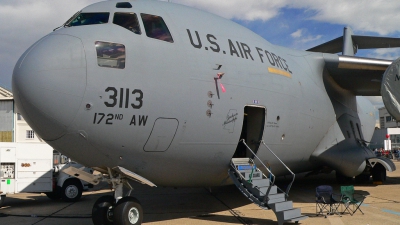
(349, 43)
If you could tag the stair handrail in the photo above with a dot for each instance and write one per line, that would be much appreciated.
(273, 180)
(291, 183)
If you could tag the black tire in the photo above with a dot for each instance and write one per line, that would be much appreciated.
(2, 200)
(378, 173)
(54, 195)
(102, 211)
(128, 211)
(71, 190)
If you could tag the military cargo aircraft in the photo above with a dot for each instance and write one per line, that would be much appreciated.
(168, 95)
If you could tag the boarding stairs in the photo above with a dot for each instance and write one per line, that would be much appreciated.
(261, 190)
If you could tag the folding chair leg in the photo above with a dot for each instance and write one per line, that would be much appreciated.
(347, 208)
(335, 209)
(322, 209)
(358, 208)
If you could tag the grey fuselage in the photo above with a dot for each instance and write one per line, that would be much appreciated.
(165, 116)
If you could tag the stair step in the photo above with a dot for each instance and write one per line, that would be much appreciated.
(281, 206)
(288, 214)
(260, 183)
(274, 198)
(245, 167)
(256, 184)
(256, 175)
(296, 219)
(240, 160)
(260, 192)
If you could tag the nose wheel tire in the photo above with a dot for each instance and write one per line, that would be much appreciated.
(102, 211)
(71, 190)
(128, 211)
(2, 199)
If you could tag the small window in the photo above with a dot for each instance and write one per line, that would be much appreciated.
(30, 134)
(110, 54)
(388, 119)
(125, 5)
(128, 21)
(88, 19)
(155, 27)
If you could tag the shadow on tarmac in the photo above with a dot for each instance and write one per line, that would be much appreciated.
(219, 204)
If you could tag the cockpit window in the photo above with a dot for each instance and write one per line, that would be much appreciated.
(155, 27)
(128, 21)
(88, 19)
(110, 54)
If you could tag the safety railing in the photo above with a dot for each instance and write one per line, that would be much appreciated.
(244, 142)
(294, 176)
(269, 171)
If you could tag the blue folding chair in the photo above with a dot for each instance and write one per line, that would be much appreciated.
(326, 202)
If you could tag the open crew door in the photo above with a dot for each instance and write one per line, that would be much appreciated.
(252, 131)
(250, 180)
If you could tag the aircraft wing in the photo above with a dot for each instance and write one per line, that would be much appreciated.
(362, 42)
(362, 76)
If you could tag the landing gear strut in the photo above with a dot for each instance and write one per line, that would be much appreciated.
(119, 209)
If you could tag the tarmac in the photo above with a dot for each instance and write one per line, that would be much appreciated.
(221, 205)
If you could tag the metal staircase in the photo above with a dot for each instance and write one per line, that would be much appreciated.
(261, 190)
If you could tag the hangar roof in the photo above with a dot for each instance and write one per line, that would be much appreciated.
(5, 94)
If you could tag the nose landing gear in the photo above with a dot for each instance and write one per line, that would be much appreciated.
(118, 209)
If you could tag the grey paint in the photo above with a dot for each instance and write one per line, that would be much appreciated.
(162, 135)
(348, 47)
(63, 102)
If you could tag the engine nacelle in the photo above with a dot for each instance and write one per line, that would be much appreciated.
(390, 89)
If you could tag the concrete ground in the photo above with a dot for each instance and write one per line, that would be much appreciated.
(222, 205)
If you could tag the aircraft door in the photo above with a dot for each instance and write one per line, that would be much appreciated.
(252, 131)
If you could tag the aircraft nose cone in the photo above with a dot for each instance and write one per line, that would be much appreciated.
(49, 82)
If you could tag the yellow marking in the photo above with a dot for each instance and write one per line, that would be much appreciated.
(279, 72)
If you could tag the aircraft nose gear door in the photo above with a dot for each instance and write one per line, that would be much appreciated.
(252, 130)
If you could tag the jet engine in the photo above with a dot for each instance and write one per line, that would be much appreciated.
(390, 89)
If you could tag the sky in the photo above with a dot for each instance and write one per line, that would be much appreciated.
(299, 24)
